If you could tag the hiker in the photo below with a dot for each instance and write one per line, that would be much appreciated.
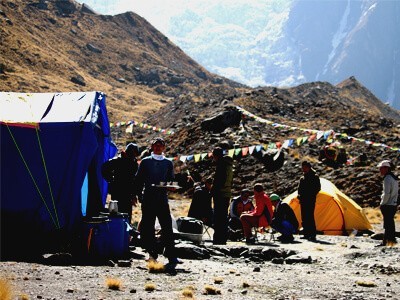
(156, 170)
(309, 187)
(260, 216)
(388, 204)
(120, 172)
(284, 220)
(200, 208)
(221, 192)
(239, 205)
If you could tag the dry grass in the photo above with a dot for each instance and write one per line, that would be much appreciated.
(218, 280)
(211, 290)
(6, 290)
(114, 284)
(366, 283)
(23, 297)
(155, 267)
(149, 287)
(188, 292)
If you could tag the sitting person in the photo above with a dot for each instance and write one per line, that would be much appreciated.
(239, 205)
(260, 216)
(284, 220)
(200, 208)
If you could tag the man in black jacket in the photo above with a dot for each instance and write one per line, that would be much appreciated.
(284, 220)
(309, 187)
(120, 173)
(201, 208)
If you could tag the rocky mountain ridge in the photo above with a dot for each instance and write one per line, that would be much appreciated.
(53, 46)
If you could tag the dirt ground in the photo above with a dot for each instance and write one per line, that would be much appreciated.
(334, 267)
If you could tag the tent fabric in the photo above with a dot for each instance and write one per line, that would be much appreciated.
(335, 213)
(49, 143)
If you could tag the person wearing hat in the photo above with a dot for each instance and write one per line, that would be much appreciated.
(284, 220)
(308, 189)
(154, 172)
(120, 172)
(239, 205)
(388, 204)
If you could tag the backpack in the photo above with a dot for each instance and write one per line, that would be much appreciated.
(189, 225)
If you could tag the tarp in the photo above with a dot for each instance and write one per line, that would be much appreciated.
(335, 213)
(51, 143)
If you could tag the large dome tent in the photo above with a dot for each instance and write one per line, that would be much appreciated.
(335, 213)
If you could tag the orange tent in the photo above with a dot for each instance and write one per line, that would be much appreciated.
(335, 213)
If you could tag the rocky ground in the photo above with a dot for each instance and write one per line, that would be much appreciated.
(334, 267)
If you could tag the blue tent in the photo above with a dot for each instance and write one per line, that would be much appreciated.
(52, 149)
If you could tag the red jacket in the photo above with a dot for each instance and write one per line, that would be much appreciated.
(262, 202)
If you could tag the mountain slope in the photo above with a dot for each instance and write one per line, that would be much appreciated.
(51, 46)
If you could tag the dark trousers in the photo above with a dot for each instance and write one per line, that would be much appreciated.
(388, 212)
(285, 228)
(307, 217)
(221, 205)
(149, 213)
(124, 204)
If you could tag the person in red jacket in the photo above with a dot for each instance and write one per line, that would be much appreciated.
(260, 216)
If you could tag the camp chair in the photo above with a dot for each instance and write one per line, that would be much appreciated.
(206, 228)
(268, 229)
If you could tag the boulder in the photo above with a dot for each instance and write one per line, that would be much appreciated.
(221, 121)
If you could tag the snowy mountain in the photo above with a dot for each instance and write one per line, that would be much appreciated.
(288, 42)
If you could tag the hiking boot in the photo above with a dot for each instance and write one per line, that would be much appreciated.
(174, 260)
(286, 238)
(312, 239)
(250, 241)
(152, 257)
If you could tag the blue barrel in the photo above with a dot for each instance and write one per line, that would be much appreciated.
(96, 232)
(118, 234)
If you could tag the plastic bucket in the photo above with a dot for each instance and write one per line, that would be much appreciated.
(95, 238)
(118, 234)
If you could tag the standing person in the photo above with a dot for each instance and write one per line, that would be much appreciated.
(309, 187)
(284, 220)
(153, 170)
(388, 205)
(221, 192)
(201, 208)
(260, 216)
(120, 172)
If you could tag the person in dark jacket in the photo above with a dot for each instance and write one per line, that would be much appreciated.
(388, 204)
(201, 208)
(284, 220)
(309, 187)
(154, 171)
(221, 192)
(120, 172)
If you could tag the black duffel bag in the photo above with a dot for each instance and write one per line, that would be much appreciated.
(189, 225)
